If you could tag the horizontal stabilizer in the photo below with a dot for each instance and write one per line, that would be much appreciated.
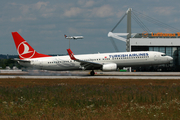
(16, 59)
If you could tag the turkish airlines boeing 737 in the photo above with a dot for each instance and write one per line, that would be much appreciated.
(105, 61)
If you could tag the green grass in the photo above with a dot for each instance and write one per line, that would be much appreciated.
(76, 99)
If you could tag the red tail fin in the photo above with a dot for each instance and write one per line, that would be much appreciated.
(24, 49)
(65, 35)
(71, 54)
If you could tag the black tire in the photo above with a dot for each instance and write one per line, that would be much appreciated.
(92, 73)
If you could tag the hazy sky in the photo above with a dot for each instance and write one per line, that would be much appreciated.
(44, 23)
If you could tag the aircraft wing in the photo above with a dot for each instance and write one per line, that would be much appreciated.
(78, 37)
(84, 64)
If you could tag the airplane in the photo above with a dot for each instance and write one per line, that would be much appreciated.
(73, 37)
(102, 61)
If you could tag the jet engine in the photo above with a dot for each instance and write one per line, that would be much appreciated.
(109, 67)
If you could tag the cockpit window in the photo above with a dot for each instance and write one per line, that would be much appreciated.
(163, 54)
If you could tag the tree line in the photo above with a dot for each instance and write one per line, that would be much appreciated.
(9, 62)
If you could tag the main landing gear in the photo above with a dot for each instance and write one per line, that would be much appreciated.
(92, 73)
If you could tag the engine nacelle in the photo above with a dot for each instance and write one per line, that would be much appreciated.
(109, 67)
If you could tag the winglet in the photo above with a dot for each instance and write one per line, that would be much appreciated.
(71, 54)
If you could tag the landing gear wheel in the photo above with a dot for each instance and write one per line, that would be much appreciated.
(92, 73)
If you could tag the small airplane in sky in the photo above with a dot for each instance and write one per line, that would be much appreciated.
(73, 37)
(105, 61)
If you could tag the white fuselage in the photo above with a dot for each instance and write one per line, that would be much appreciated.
(122, 59)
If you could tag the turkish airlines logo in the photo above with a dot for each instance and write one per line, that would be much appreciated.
(72, 55)
(25, 51)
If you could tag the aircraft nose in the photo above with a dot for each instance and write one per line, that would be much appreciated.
(170, 58)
